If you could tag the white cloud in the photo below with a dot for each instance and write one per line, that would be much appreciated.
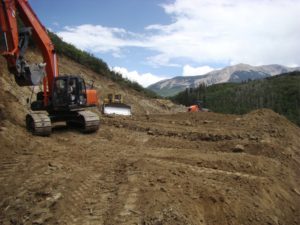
(255, 32)
(161, 60)
(196, 71)
(99, 39)
(145, 79)
(204, 31)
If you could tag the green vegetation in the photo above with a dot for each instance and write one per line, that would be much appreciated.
(165, 92)
(95, 64)
(280, 93)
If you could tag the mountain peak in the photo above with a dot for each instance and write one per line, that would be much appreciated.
(242, 65)
(235, 73)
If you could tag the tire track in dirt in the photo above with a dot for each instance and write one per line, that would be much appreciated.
(205, 170)
(85, 203)
(122, 206)
(7, 166)
(28, 189)
(15, 166)
(99, 198)
(128, 194)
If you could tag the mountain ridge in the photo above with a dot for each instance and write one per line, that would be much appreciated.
(236, 73)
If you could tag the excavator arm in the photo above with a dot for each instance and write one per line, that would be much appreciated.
(9, 33)
(15, 42)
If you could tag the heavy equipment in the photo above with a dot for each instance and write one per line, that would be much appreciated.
(194, 108)
(114, 104)
(63, 98)
(197, 107)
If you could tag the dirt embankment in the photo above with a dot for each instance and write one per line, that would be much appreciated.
(149, 169)
(140, 104)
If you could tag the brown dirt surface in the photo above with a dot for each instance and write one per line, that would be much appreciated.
(158, 167)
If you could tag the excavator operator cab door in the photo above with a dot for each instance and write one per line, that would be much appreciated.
(69, 93)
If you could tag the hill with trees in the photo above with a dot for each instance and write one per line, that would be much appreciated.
(95, 64)
(90, 61)
(280, 93)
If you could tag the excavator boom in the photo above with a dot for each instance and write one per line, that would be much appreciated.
(16, 42)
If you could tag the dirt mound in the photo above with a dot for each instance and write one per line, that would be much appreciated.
(155, 167)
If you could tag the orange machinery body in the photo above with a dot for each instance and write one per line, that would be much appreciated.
(92, 97)
(194, 108)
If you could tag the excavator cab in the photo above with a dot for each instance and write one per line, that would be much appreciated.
(68, 92)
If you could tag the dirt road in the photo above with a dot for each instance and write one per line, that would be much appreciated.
(198, 168)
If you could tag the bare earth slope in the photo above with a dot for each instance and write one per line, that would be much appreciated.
(153, 168)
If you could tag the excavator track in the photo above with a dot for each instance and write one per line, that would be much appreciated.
(39, 123)
(90, 121)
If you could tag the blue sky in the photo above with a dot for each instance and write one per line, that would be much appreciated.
(150, 40)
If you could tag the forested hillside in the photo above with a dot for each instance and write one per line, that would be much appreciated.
(95, 64)
(280, 93)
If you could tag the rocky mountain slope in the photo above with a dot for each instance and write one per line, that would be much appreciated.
(237, 73)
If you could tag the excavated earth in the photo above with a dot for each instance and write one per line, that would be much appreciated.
(158, 167)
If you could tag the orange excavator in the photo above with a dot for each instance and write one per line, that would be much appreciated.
(64, 98)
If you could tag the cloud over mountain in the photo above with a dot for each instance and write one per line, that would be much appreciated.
(203, 33)
(145, 79)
